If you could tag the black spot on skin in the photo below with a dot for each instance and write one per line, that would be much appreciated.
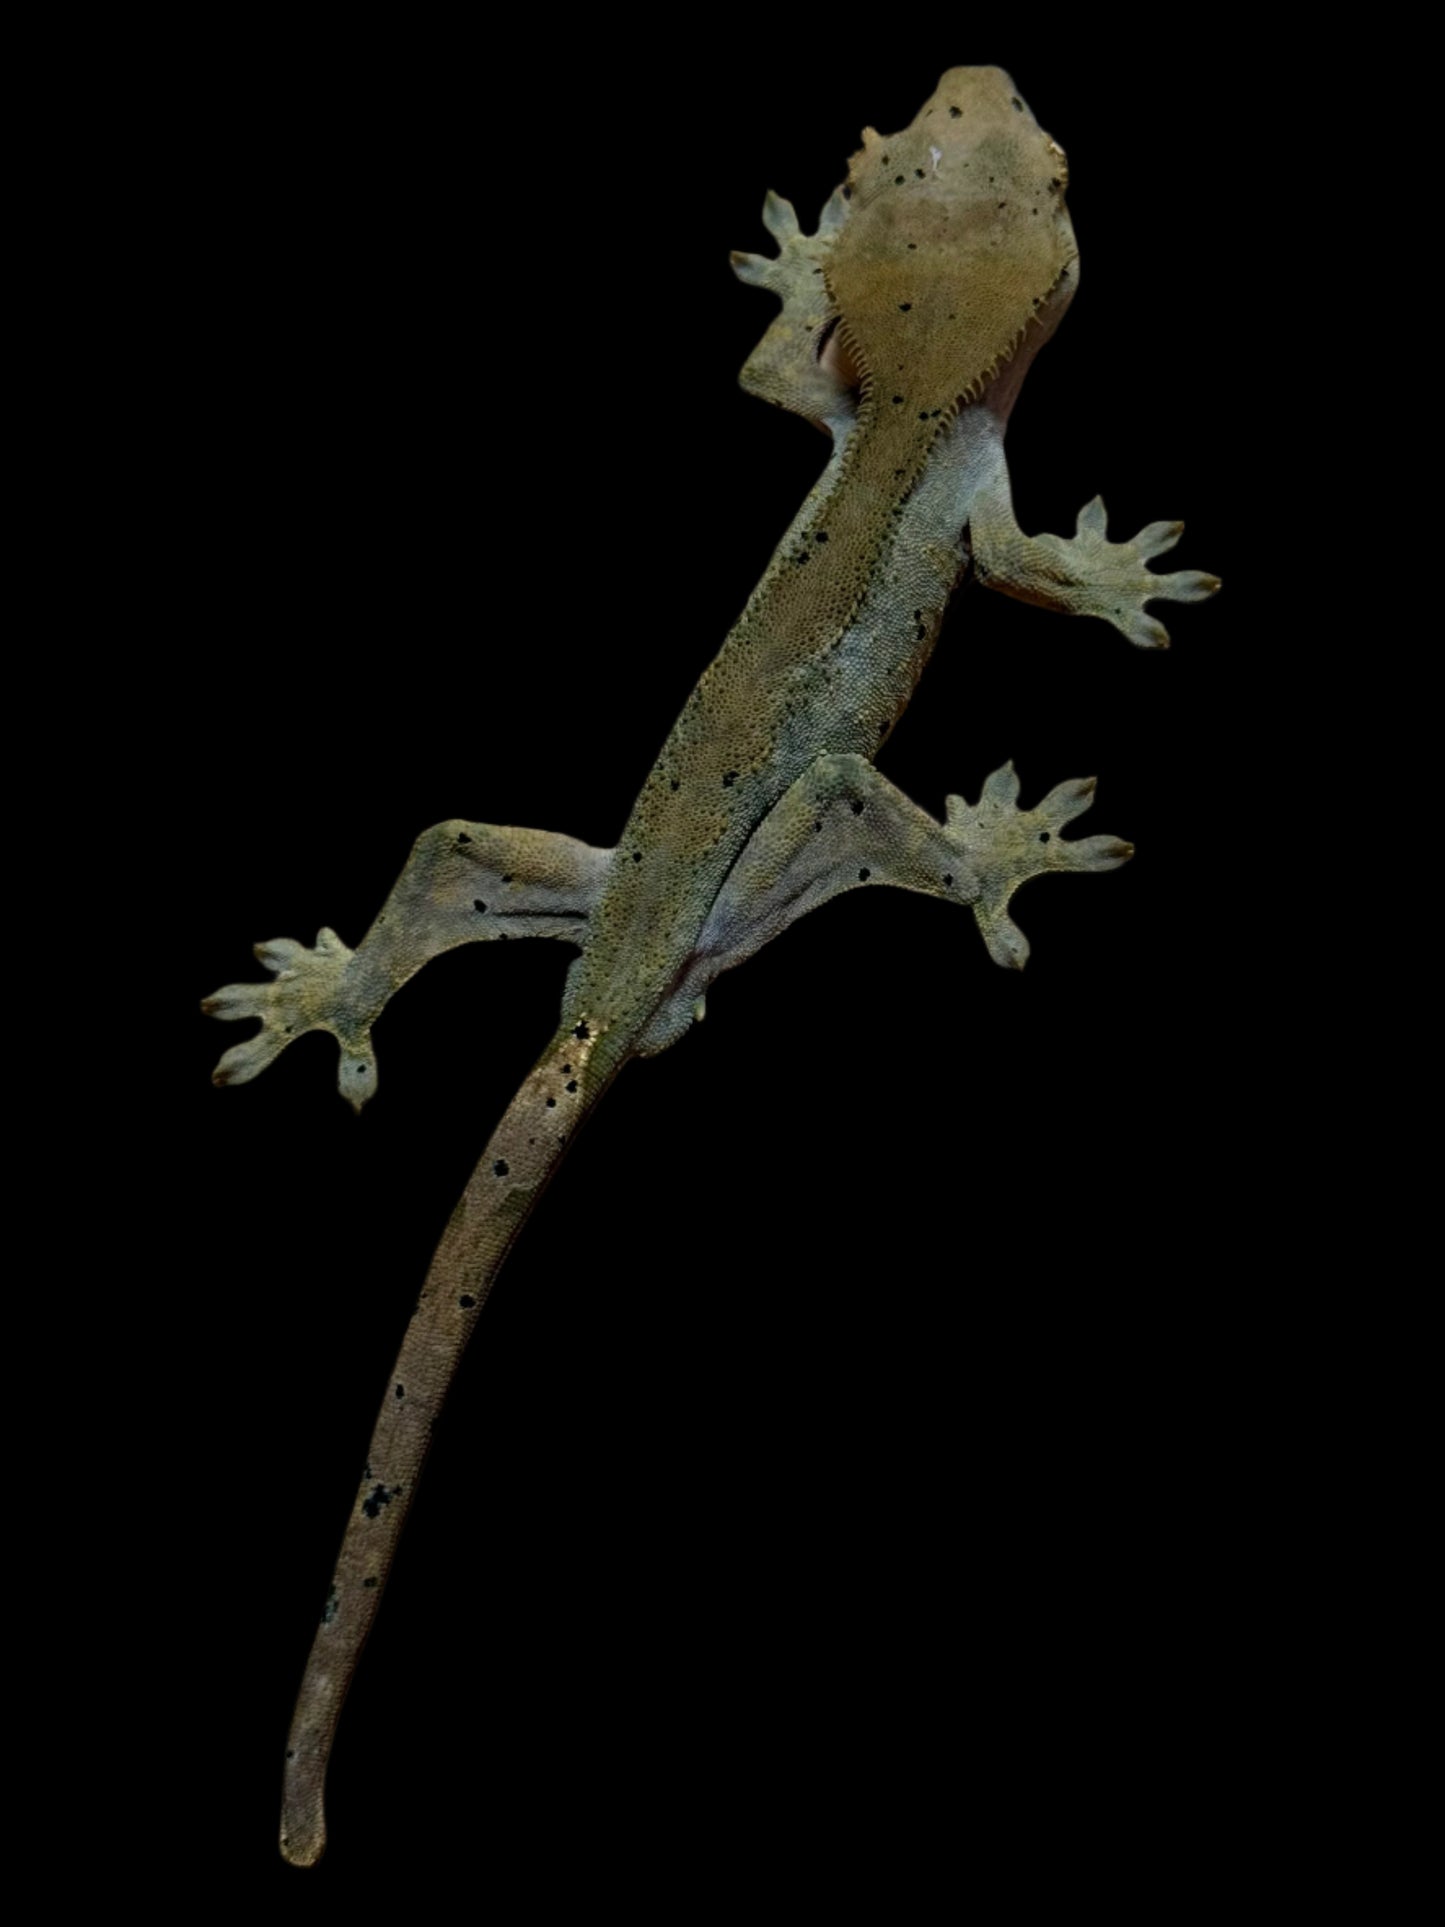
(821, 536)
(1043, 836)
(898, 180)
(863, 875)
(637, 856)
(1018, 104)
(675, 784)
(955, 113)
(923, 414)
(462, 837)
(566, 1070)
(401, 1391)
(501, 1167)
(857, 809)
(817, 829)
(730, 778)
(948, 880)
(479, 906)
(551, 1103)
(904, 307)
(883, 729)
(370, 1584)
(466, 1301)
(897, 399)
(579, 1030)
(379, 1497)
(509, 878)
(919, 172)
(572, 1085)
(290, 1753)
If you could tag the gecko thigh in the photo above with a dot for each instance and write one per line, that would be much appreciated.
(841, 826)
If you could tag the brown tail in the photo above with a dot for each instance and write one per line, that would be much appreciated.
(524, 1151)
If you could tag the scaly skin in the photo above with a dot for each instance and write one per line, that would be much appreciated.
(908, 323)
(954, 256)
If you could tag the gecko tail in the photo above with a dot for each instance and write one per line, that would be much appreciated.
(523, 1152)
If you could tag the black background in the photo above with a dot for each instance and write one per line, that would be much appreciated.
(856, 1469)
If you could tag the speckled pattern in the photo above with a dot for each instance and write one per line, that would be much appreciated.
(908, 321)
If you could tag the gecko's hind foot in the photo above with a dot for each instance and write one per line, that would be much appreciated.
(1113, 580)
(308, 994)
(1004, 846)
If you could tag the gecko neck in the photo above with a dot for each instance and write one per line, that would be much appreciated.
(836, 547)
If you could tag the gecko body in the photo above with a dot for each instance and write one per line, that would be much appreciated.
(908, 321)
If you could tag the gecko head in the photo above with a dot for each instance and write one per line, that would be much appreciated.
(958, 250)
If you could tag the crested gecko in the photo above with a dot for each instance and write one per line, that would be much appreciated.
(908, 320)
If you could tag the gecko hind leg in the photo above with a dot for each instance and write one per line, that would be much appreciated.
(463, 883)
(842, 826)
(309, 993)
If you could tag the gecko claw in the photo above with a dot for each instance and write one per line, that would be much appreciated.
(1113, 580)
(780, 217)
(785, 368)
(309, 993)
(1003, 846)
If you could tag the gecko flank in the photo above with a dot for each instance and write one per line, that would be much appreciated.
(908, 321)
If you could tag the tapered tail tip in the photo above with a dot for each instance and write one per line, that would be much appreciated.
(301, 1846)
(303, 1812)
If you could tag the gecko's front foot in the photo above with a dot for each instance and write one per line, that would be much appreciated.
(308, 994)
(1113, 580)
(1003, 846)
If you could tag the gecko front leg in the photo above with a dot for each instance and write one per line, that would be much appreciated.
(1084, 574)
(843, 826)
(463, 883)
